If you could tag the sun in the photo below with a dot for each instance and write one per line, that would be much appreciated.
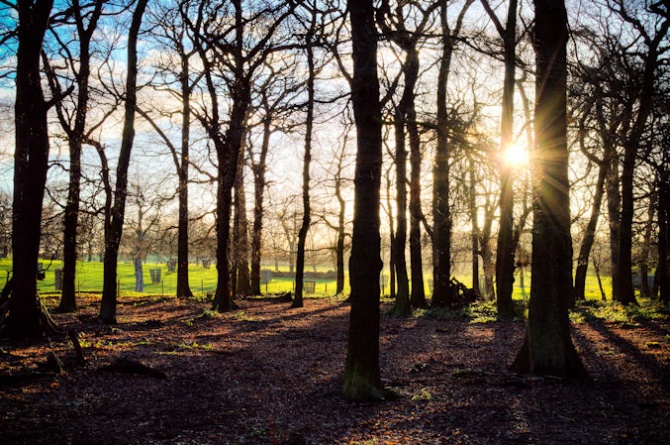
(516, 155)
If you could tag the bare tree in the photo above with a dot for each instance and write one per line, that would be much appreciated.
(84, 18)
(654, 43)
(113, 236)
(393, 25)
(362, 379)
(26, 317)
(548, 348)
(310, 37)
(441, 211)
(225, 49)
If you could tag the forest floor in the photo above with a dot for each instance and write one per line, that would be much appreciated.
(268, 374)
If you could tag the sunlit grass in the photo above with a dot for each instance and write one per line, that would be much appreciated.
(203, 281)
(89, 280)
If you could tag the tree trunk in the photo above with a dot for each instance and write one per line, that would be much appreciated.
(68, 301)
(589, 236)
(362, 379)
(626, 293)
(596, 267)
(392, 275)
(472, 203)
(139, 273)
(241, 240)
(259, 192)
(548, 348)
(488, 263)
(30, 171)
(441, 212)
(663, 270)
(228, 151)
(183, 286)
(506, 247)
(614, 214)
(418, 298)
(306, 207)
(645, 289)
(402, 303)
(341, 233)
(113, 238)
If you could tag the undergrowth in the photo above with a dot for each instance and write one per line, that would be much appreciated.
(477, 312)
(596, 310)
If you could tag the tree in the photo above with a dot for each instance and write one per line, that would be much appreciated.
(506, 248)
(441, 211)
(172, 33)
(272, 107)
(240, 248)
(113, 236)
(85, 20)
(663, 269)
(26, 317)
(548, 348)
(653, 36)
(339, 183)
(148, 205)
(405, 122)
(362, 379)
(309, 128)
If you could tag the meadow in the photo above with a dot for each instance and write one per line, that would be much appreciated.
(203, 280)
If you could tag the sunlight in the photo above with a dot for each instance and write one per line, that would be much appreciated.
(516, 155)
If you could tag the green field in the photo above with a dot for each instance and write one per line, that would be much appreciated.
(90, 276)
(202, 281)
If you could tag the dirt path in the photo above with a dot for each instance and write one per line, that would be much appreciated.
(267, 374)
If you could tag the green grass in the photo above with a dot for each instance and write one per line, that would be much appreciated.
(89, 279)
(90, 276)
(591, 310)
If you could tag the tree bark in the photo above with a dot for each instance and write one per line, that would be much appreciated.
(589, 236)
(506, 247)
(306, 207)
(418, 297)
(402, 303)
(30, 171)
(625, 292)
(228, 151)
(341, 227)
(663, 270)
(645, 289)
(362, 379)
(259, 192)
(68, 301)
(614, 214)
(441, 211)
(113, 238)
(241, 240)
(183, 286)
(548, 348)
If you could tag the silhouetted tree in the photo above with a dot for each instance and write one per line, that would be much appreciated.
(26, 317)
(548, 348)
(362, 378)
(113, 236)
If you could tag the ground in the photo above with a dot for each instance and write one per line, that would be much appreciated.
(268, 374)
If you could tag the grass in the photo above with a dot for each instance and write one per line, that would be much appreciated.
(89, 279)
(591, 310)
(203, 281)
